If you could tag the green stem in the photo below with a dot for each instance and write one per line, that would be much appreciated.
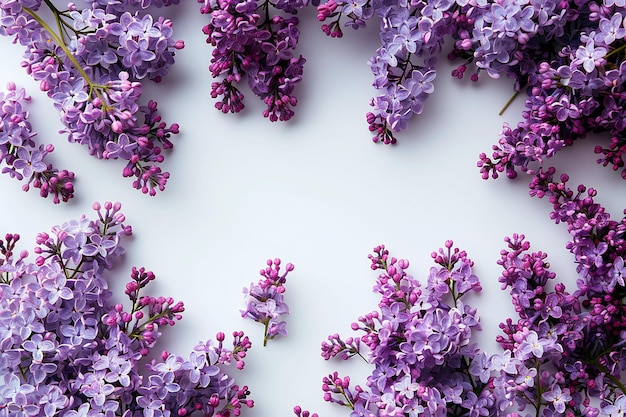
(92, 86)
(455, 296)
(56, 13)
(69, 273)
(614, 51)
(608, 374)
(266, 326)
(509, 102)
(136, 333)
(349, 404)
(539, 391)
(466, 367)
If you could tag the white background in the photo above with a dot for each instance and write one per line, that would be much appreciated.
(314, 191)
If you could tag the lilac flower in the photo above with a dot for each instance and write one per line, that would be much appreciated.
(354, 7)
(259, 46)
(92, 70)
(558, 398)
(611, 29)
(420, 82)
(589, 55)
(29, 163)
(70, 94)
(276, 52)
(19, 153)
(54, 288)
(420, 348)
(526, 377)
(83, 411)
(98, 246)
(265, 301)
(38, 347)
(405, 387)
(618, 408)
(617, 273)
(66, 348)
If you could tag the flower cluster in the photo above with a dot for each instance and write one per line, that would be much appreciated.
(419, 343)
(19, 152)
(575, 86)
(570, 345)
(91, 63)
(265, 300)
(66, 349)
(253, 40)
(564, 355)
(411, 34)
(568, 55)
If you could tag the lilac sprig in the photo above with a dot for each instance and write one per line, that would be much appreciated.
(568, 56)
(68, 349)
(265, 301)
(91, 62)
(419, 345)
(570, 344)
(256, 41)
(564, 355)
(23, 159)
(574, 87)
(411, 35)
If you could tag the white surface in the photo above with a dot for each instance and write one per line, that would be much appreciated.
(314, 191)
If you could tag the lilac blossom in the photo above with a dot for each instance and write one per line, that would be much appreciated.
(93, 63)
(574, 86)
(570, 345)
(20, 156)
(265, 300)
(254, 40)
(69, 349)
(419, 346)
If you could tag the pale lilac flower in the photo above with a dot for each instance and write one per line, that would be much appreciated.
(589, 55)
(558, 398)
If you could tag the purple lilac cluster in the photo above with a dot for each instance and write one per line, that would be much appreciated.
(411, 34)
(23, 159)
(575, 87)
(67, 349)
(567, 55)
(563, 356)
(571, 345)
(265, 300)
(254, 41)
(420, 346)
(91, 62)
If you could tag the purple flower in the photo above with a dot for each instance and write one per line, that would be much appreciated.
(618, 408)
(557, 398)
(70, 94)
(422, 357)
(92, 73)
(37, 346)
(265, 301)
(259, 46)
(354, 7)
(98, 246)
(611, 30)
(617, 273)
(276, 52)
(29, 162)
(589, 55)
(54, 288)
(67, 347)
(123, 148)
